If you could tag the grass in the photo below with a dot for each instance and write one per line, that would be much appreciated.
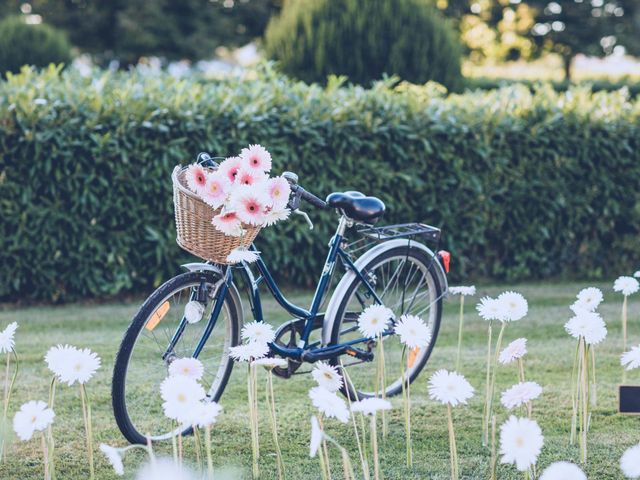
(549, 361)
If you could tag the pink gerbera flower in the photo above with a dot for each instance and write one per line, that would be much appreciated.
(278, 190)
(229, 168)
(250, 204)
(228, 223)
(196, 177)
(256, 157)
(250, 177)
(216, 189)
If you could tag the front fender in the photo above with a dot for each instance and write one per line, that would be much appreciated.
(341, 288)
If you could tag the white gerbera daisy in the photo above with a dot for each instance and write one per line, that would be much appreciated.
(164, 469)
(370, 406)
(229, 168)
(563, 471)
(471, 290)
(271, 362)
(491, 309)
(33, 416)
(228, 223)
(449, 387)
(239, 254)
(187, 367)
(588, 325)
(317, 435)
(206, 413)
(7, 338)
(181, 396)
(71, 364)
(626, 285)
(630, 462)
(637, 274)
(515, 306)
(249, 351)
(258, 332)
(512, 352)
(193, 311)
(520, 394)
(329, 404)
(521, 441)
(413, 332)
(275, 216)
(327, 376)
(374, 320)
(589, 298)
(279, 190)
(196, 177)
(631, 359)
(256, 157)
(249, 203)
(113, 455)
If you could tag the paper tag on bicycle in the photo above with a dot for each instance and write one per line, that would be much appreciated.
(413, 354)
(157, 316)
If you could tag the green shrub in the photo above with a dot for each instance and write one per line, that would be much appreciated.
(22, 44)
(525, 185)
(364, 39)
(597, 85)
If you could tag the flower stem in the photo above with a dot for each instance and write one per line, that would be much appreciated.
(407, 406)
(594, 386)
(251, 391)
(624, 324)
(494, 456)
(271, 403)
(485, 413)
(86, 412)
(585, 400)
(575, 388)
(207, 441)
(521, 369)
(374, 447)
(381, 369)
(174, 446)
(494, 367)
(361, 451)
(45, 454)
(325, 448)
(8, 389)
(452, 445)
(198, 446)
(460, 327)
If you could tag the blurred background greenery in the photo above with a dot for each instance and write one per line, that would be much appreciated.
(512, 124)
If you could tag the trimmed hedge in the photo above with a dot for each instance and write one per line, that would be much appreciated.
(525, 186)
(596, 85)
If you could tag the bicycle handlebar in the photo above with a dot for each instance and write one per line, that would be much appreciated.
(311, 198)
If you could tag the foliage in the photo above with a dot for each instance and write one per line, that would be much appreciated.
(22, 44)
(485, 83)
(127, 30)
(525, 185)
(364, 40)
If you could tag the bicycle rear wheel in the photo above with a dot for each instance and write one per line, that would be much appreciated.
(143, 359)
(405, 280)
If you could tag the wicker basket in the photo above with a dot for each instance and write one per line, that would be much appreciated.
(195, 232)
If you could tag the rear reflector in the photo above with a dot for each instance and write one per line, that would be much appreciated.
(445, 259)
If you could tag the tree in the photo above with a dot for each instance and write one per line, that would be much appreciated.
(363, 40)
(596, 27)
(129, 29)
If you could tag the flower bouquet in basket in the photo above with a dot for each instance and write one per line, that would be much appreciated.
(220, 210)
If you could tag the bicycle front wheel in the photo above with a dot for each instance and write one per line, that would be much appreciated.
(405, 280)
(145, 355)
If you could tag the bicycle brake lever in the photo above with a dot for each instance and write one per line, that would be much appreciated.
(306, 217)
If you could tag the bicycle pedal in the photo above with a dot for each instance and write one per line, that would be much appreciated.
(359, 354)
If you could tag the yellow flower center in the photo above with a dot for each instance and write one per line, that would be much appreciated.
(182, 398)
(34, 419)
(519, 442)
(328, 376)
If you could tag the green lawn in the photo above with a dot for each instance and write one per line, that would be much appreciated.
(548, 362)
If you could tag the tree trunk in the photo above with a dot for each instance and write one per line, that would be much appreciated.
(566, 62)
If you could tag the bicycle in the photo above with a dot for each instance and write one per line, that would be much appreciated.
(399, 272)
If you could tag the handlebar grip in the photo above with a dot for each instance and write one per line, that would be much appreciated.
(312, 199)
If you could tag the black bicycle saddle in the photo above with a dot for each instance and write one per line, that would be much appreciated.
(357, 206)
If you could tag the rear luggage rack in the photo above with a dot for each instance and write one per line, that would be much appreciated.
(403, 230)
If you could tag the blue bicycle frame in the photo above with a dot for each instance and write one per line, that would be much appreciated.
(303, 351)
